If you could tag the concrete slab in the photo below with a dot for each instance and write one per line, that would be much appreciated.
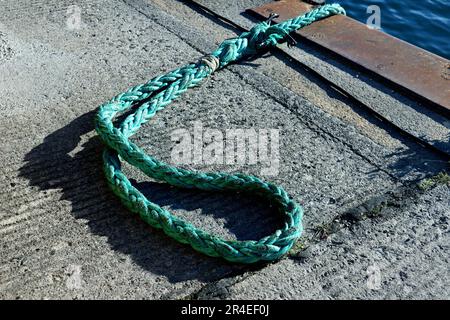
(402, 254)
(64, 235)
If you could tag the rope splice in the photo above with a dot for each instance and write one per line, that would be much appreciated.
(157, 93)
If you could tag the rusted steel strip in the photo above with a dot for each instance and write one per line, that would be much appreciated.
(414, 69)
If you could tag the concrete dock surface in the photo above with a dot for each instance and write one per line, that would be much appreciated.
(376, 200)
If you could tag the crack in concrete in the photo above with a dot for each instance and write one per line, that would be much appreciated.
(317, 129)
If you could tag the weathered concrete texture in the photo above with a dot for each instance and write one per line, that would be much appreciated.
(5, 50)
(64, 235)
(401, 254)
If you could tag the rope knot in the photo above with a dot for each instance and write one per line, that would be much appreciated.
(257, 36)
(247, 44)
(265, 35)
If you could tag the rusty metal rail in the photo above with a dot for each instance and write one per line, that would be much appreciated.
(418, 71)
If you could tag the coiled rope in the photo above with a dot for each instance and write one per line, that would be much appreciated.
(150, 97)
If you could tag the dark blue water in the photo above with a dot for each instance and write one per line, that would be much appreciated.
(424, 23)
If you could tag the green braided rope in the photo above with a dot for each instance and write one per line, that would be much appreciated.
(150, 97)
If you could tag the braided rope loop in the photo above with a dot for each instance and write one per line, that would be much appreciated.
(147, 99)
